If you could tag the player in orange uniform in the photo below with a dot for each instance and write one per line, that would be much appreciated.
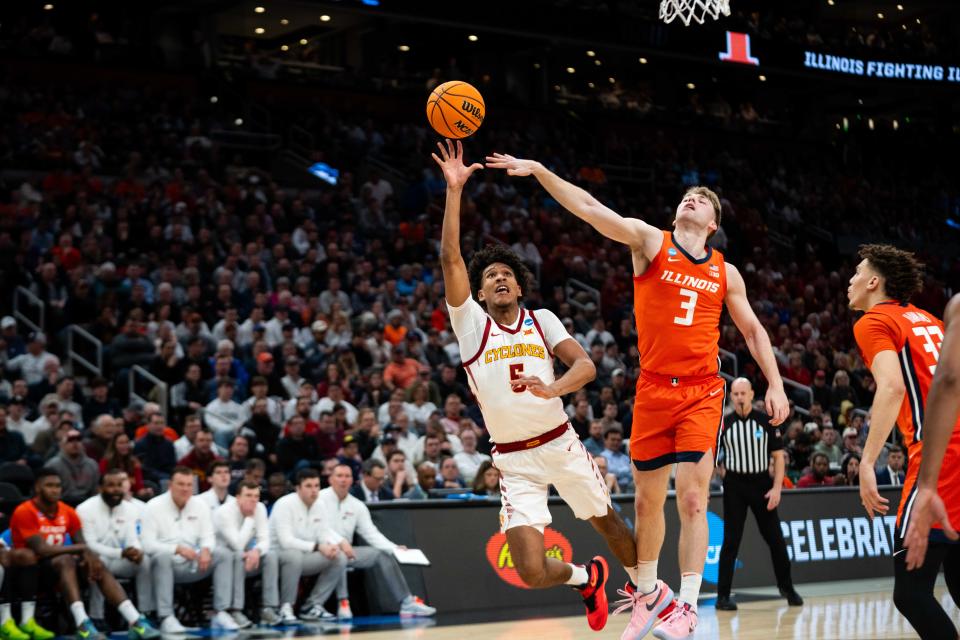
(42, 525)
(901, 345)
(680, 287)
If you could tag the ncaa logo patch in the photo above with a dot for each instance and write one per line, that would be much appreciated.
(671, 251)
(528, 322)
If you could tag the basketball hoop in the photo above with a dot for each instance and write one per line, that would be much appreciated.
(697, 10)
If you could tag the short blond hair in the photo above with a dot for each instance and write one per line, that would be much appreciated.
(712, 197)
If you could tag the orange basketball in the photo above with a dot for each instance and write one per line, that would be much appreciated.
(455, 109)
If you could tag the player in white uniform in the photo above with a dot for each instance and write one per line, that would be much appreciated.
(508, 354)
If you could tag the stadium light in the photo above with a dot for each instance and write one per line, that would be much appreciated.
(48, 7)
(259, 31)
(284, 21)
(536, 65)
(472, 38)
(238, 122)
(643, 61)
(880, 15)
(691, 86)
(284, 48)
(571, 70)
(404, 48)
(763, 78)
(830, 2)
(896, 125)
(597, 62)
(325, 18)
(258, 9)
(899, 7)
(611, 79)
(870, 123)
(303, 41)
(591, 85)
(590, 53)
(214, 99)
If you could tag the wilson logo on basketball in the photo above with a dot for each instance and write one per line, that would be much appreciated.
(555, 544)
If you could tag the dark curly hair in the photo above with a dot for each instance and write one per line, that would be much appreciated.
(901, 271)
(497, 253)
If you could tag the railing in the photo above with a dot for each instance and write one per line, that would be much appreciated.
(729, 356)
(300, 141)
(236, 139)
(73, 333)
(575, 286)
(22, 293)
(135, 371)
(808, 391)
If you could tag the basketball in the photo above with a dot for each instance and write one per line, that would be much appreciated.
(455, 109)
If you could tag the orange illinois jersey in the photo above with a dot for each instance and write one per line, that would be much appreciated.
(915, 336)
(28, 521)
(677, 304)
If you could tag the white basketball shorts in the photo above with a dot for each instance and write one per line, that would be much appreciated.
(563, 463)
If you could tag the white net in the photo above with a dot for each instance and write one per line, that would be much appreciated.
(693, 10)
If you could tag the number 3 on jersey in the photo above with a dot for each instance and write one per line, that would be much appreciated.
(516, 372)
(687, 305)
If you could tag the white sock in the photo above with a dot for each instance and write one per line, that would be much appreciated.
(27, 609)
(632, 574)
(79, 613)
(5, 613)
(578, 575)
(646, 580)
(690, 589)
(128, 611)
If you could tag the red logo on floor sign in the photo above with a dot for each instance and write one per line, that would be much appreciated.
(555, 545)
(738, 49)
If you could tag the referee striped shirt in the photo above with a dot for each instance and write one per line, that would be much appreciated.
(748, 442)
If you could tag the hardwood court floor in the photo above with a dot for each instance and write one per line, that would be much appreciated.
(848, 610)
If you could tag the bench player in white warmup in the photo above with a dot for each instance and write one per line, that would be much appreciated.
(508, 355)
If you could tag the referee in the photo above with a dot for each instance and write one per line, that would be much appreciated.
(745, 449)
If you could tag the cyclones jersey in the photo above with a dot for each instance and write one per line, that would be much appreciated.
(915, 336)
(677, 303)
(493, 355)
(28, 521)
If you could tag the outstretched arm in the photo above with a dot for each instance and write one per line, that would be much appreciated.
(636, 234)
(758, 342)
(456, 282)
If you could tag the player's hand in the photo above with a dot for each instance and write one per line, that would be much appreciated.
(327, 550)
(132, 554)
(870, 498)
(251, 560)
(534, 385)
(928, 508)
(94, 566)
(188, 553)
(454, 171)
(514, 166)
(203, 560)
(773, 498)
(348, 551)
(778, 407)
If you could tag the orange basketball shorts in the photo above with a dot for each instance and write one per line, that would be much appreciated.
(675, 419)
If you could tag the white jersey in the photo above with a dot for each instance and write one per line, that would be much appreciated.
(493, 355)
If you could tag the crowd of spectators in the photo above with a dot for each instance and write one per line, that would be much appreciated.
(302, 327)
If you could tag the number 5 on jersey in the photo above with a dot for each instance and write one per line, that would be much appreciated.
(687, 305)
(516, 372)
